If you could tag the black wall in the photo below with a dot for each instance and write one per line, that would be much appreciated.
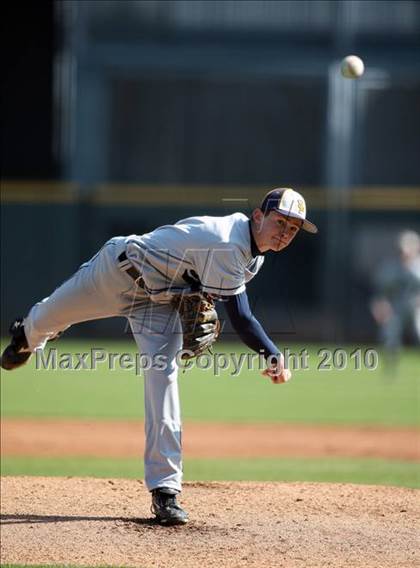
(27, 91)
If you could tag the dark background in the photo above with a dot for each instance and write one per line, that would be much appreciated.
(29, 42)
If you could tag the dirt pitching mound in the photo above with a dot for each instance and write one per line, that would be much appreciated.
(91, 522)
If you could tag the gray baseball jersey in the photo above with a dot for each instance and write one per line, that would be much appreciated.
(214, 251)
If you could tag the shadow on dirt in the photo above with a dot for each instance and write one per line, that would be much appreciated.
(33, 519)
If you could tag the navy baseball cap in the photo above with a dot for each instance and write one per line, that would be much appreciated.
(290, 203)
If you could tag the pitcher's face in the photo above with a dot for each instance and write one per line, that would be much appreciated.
(274, 231)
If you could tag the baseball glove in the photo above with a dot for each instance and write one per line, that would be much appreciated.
(199, 320)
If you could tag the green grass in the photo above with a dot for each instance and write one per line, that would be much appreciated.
(343, 470)
(313, 396)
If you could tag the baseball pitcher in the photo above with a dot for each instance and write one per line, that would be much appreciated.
(166, 283)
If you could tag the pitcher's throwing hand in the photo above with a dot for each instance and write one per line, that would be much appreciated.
(277, 372)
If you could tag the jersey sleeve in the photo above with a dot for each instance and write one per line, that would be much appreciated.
(248, 327)
(220, 271)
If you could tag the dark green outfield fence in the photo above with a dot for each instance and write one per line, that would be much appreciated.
(304, 293)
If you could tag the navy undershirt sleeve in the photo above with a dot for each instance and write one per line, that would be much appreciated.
(247, 326)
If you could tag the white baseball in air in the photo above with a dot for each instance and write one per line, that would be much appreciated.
(352, 67)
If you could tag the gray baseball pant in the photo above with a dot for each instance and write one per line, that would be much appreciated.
(101, 289)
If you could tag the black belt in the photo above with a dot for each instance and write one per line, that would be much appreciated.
(131, 271)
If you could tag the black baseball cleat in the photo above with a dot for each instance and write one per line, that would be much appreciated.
(17, 352)
(166, 508)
